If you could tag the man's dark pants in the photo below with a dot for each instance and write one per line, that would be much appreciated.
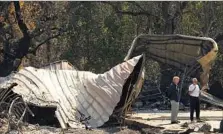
(194, 106)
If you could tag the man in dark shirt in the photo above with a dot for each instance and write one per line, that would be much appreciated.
(173, 94)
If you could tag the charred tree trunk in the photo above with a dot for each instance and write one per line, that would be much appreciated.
(168, 24)
(172, 15)
(24, 43)
(12, 58)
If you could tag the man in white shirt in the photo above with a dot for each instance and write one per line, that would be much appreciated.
(194, 92)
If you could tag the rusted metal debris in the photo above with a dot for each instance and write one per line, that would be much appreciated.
(80, 98)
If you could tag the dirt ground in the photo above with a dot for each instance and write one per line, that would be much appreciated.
(162, 119)
(35, 129)
(47, 130)
(154, 119)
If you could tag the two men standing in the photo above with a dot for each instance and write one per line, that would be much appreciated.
(174, 96)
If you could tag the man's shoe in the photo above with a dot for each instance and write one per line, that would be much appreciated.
(175, 122)
(191, 121)
(199, 120)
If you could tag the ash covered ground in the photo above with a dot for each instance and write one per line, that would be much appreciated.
(36, 129)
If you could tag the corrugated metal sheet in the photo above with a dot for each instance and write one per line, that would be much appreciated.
(175, 50)
(60, 65)
(70, 91)
(178, 51)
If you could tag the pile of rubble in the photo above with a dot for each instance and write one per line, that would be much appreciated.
(26, 128)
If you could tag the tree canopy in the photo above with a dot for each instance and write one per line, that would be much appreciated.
(95, 36)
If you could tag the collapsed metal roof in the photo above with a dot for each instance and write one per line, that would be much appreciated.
(176, 50)
(179, 51)
(74, 93)
(60, 65)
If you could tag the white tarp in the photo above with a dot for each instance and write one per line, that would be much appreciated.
(94, 95)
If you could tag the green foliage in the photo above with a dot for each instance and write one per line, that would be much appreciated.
(192, 24)
(99, 37)
(99, 34)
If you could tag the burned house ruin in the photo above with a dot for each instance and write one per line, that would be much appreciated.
(82, 98)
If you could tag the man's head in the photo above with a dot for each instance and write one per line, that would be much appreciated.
(176, 80)
(194, 80)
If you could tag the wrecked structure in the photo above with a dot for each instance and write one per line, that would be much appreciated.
(80, 97)
(77, 96)
(189, 56)
(195, 54)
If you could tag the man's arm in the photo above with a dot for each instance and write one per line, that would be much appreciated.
(170, 90)
(199, 85)
(199, 89)
(190, 88)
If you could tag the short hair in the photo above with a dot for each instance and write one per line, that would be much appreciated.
(194, 79)
(176, 77)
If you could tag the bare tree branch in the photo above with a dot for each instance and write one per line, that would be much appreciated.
(137, 4)
(134, 13)
(213, 19)
(209, 27)
(144, 13)
(198, 33)
(20, 21)
(24, 42)
(33, 51)
(40, 32)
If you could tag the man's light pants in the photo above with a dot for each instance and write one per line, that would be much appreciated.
(174, 110)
